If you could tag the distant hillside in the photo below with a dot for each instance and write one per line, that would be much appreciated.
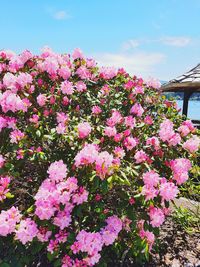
(179, 96)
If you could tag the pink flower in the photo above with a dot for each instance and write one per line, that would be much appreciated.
(103, 163)
(8, 220)
(130, 142)
(96, 110)
(110, 131)
(50, 65)
(81, 196)
(64, 72)
(57, 171)
(61, 128)
(105, 90)
(23, 79)
(118, 137)
(9, 81)
(157, 216)
(140, 156)
(184, 130)
(27, 231)
(62, 219)
(152, 82)
(34, 118)
(168, 191)
(139, 90)
(53, 246)
(166, 130)
(91, 243)
(107, 73)
(111, 231)
(148, 120)
(81, 86)
(130, 122)
(43, 234)
(137, 110)
(151, 178)
(67, 88)
(153, 141)
(41, 100)
(62, 117)
(150, 237)
(11, 101)
(149, 192)
(119, 152)
(16, 135)
(87, 155)
(4, 183)
(180, 168)
(116, 118)
(77, 54)
(192, 144)
(83, 72)
(174, 140)
(2, 160)
(84, 129)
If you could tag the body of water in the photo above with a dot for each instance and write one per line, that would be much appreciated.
(193, 109)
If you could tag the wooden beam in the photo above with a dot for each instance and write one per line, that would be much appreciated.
(181, 87)
(187, 96)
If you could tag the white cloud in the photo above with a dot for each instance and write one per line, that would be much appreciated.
(61, 15)
(130, 44)
(141, 64)
(178, 41)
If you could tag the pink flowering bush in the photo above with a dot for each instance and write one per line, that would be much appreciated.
(89, 159)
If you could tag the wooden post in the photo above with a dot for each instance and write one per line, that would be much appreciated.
(185, 102)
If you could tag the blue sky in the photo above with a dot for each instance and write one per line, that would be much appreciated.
(158, 38)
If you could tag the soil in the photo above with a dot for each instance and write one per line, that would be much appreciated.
(177, 248)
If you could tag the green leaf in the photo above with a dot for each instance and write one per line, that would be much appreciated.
(4, 264)
(38, 133)
(9, 195)
(57, 263)
(30, 209)
(50, 256)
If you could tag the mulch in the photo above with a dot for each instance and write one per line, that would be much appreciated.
(178, 248)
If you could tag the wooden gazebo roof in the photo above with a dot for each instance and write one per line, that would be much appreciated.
(190, 81)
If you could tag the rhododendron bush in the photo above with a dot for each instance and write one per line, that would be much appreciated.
(89, 159)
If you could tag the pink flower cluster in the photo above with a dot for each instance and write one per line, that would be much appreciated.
(180, 168)
(7, 122)
(108, 125)
(157, 216)
(103, 161)
(8, 220)
(137, 110)
(57, 171)
(56, 191)
(9, 101)
(84, 129)
(62, 120)
(154, 185)
(16, 136)
(92, 243)
(145, 234)
(167, 133)
(186, 128)
(192, 144)
(4, 183)
(26, 231)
